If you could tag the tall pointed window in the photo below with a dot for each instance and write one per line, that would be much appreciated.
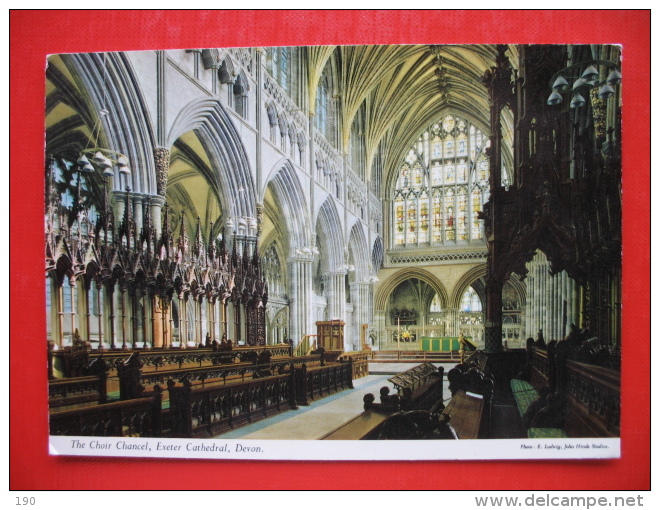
(442, 186)
(280, 60)
(322, 105)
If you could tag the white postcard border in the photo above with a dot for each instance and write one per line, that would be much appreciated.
(238, 449)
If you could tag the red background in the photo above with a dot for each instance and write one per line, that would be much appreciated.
(34, 34)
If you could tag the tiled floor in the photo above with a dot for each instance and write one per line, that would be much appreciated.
(325, 415)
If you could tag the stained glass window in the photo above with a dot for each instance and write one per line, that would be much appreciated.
(399, 220)
(442, 186)
(437, 217)
(424, 218)
(476, 207)
(462, 218)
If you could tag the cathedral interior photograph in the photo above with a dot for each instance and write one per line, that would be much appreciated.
(334, 242)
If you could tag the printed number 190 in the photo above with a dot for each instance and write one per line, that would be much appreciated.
(25, 501)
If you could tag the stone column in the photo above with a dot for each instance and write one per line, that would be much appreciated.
(214, 78)
(300, 292)
(156, 204)
(211, 317)
(183, 319)
(258, 115)
(335, 291)
(138, 210)
(164, 319)
(162, 167)
(223, 310)
(119, 200)
(84, 311)
(360, 300)
(148, 318)
(381, 332)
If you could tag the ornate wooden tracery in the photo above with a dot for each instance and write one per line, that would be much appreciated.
(85, 244)
(566, 196)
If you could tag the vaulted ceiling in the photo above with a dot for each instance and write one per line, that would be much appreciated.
(401, 89)
(404, 89)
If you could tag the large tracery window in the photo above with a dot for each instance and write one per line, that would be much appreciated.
(442, 186)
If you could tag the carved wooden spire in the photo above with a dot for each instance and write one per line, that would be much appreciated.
(198, 245)
(183, 241)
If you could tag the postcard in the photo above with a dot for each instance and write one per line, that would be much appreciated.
(414, 250)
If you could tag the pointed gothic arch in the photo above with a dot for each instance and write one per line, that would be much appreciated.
(289, 195)
(329, 230)
(389, 285)
(110, 84)
(357, 243)
(377, 255)
(224, 147)
(468, 279)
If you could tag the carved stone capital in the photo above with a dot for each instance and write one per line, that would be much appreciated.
(162, 163)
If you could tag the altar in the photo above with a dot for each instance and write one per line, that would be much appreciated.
(442, 343)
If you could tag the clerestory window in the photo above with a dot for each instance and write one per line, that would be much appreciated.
(442, 186)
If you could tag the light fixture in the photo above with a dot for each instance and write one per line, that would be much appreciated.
(122, 164)
(605, 91)
(590, 75)
(585, 76)
(577, 101)
(555, 98)
(560, 84)
(93, 158)
(614, 78)
(581, 84)
(103, 160)
(84, 164)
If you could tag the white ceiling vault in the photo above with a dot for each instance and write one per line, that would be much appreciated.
(401, 90)
(405, 88)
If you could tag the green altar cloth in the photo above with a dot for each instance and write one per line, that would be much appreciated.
(441, 343)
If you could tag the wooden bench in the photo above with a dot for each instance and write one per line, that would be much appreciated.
(133, 381)
(77, 391)
(360, 361)
(590, 395)
(312, 383)
(197, 411)
(384, 423)
(89, 389)
(69, 362)
(470, 415)
(419, 387)
(359, 427)
(470, 407)
(205, 412)
(130, 418)
(524, 394)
